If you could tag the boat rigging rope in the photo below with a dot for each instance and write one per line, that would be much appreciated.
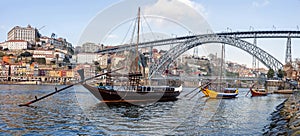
(149, 26)
(133, 23)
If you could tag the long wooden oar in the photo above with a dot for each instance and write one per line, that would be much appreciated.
(198, 87)
(193, 90)
(250, 89)
(57, 91)
(247, 92)
(194, 95)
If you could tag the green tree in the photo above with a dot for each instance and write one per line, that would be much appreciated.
(2, 54)
(281, 73)
(66, 60)
(40, 60)
(96, 63)
(26, 54)
(270, 73)
(98, 69)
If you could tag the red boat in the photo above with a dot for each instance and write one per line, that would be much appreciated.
(258, 92)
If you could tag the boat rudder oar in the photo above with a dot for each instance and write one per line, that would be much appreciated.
(250, 89)
(193, 96)
(69, 86)
(201, 86)
(248, 92)
(193, 90)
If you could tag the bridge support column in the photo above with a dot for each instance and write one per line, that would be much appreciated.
(288, 54)
(195, 53)
(254, 61)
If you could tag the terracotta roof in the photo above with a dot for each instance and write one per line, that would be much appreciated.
(16, 41)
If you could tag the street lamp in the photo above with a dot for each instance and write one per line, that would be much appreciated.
(227, 29)
(274, 27)
(174, 35)
(251, 28)
(209, 31)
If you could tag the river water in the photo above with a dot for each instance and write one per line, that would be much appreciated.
(76, 112)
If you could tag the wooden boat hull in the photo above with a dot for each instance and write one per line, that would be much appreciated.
(105, 95)
(257, 93)
(214, 94)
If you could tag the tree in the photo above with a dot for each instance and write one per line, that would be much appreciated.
(281, 73)
(270, 73)
(2, 54)
(102, 46)
(96, 63)
(26, 54)
(40, 60)
(98, 69)
(66, 60)
(37, 39)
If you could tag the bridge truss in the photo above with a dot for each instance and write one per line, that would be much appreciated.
(231, 38)
(176, 51)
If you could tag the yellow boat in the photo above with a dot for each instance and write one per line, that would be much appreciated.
(228, 93)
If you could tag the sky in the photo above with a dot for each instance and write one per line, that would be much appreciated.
(103, 21)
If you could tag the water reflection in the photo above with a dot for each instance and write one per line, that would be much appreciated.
(74, 112)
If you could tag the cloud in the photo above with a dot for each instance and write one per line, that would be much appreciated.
(197, 6)
(260, 3)
(180, 12)
(175, 8)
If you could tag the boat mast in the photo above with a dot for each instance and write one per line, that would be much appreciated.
(135, 76)
(137, 43)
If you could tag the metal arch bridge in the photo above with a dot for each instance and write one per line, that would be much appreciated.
(232, 38)
(178, 40)
(176, 51)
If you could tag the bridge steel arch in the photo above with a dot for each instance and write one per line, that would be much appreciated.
(180, 40)
(264, 57)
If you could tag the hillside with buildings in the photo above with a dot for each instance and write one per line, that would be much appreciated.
(28, 56)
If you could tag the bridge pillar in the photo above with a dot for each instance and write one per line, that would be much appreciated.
(288, 54)
(195, 54)
(254, 59)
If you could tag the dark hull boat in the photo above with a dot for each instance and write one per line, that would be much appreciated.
(134, 90)
(141, 94)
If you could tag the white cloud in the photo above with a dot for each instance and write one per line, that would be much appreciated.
(183, 12)
(197, 6)
(260, 3)
(175, 8)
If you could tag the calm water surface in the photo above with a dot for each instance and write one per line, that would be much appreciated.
(76, 112)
